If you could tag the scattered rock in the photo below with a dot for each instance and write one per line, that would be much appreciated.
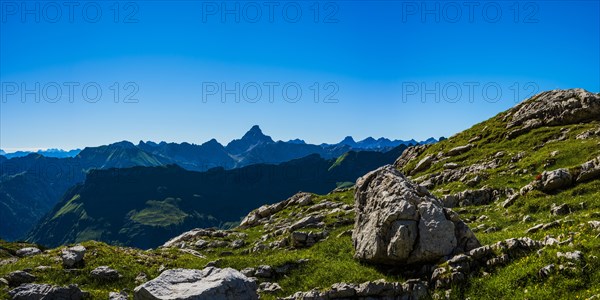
(423, 164)
(594, 224)
(28, 251)
(306, 239)
(546, 271)
(310, 221)
(527, 219)
(459, 150)
(104, 273)
(588, 134)
(559, 210)
(236, 244)
(481, 196)
(30, 291)
(17, 278)
(118, 296)
(450, 166)
(264, 271)
(399, 222)
(209, 283)
(248, 272)
(534, 228)
(269, 287)
(201, 244)
(575, 255)
(73, 257)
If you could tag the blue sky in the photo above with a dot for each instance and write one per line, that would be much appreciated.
(399, 69)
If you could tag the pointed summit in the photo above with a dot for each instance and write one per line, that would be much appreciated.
(349, 141)
(251, 139)
(255, 134)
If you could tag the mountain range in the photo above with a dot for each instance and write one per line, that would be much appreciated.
(144, 206)
(233, 153)
(31, 185)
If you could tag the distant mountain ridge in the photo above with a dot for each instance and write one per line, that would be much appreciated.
(145, 206)
(58, 153)
(184, 153)
(52, 176)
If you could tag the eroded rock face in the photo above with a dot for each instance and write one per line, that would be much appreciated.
(399, 222)
(554, 108)
(209, 283)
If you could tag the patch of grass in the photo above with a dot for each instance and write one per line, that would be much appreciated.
(160, 213)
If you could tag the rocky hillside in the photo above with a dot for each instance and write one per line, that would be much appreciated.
(507, 209)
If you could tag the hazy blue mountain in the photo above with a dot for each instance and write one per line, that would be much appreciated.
(58, 153)
(189, 156)
(145, 206)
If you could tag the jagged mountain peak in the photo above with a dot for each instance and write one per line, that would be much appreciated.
(256, 134)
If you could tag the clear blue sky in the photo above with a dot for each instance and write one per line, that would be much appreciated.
(376, 57)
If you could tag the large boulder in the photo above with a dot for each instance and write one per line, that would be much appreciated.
(399, 222)
(210, 283)
(31, 291)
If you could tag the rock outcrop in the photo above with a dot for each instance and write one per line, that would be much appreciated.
(209, 283)
(399, 222)
(553, 108)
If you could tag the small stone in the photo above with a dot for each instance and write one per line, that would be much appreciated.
(527, 219)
